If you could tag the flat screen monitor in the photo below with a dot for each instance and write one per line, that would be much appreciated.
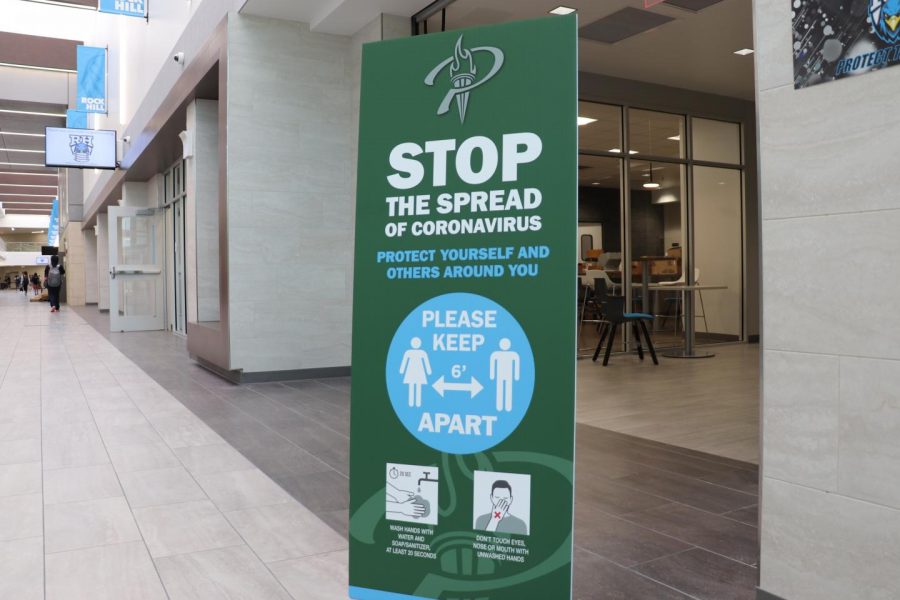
(49, 250)
(80, 148)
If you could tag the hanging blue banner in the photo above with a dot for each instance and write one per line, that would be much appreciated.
(131, 8)
(53, 228)
(91, 79)
(76, 119)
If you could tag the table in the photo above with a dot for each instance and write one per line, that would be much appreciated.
(688, 308)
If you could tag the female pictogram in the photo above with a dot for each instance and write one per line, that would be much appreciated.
(415, 369)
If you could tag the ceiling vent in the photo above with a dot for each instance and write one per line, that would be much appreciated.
(623, 24)
(692, 5)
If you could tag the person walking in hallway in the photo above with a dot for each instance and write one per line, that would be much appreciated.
(53, 274)
(36, 284)
(25, 284)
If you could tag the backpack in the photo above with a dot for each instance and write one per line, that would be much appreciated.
(54, 278)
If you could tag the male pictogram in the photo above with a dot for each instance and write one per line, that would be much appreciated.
(505, 369)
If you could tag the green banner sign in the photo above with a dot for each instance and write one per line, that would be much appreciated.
(463, 402)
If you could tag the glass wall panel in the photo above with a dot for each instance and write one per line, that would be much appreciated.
(657, 238)
(137, 240)
(137, 297)
(655, 134)
(599, 236)
(600, 127)
(716, 141)
(718, 253)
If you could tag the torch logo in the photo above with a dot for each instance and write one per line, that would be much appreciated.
(464, 75)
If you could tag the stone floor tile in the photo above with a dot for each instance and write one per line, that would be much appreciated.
(160, 487)
(117, 572)
(80, 484)
(185, 528)
(284, 531)
(225, 573)
(76, 525)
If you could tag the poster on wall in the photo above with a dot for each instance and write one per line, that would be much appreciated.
(834, 39)
(463, 395)
(91, 83)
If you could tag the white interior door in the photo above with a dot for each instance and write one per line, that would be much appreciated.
(136, 280)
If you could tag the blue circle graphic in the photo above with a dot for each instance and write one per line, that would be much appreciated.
(460, 373)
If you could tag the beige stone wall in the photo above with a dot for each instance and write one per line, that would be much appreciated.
(73, 241)
(831, 337)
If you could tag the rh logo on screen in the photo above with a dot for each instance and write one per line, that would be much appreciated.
(463, 75)
(82, 146)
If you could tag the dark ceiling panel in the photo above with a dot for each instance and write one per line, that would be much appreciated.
(37, 51)
(622, 25)
(692, 5)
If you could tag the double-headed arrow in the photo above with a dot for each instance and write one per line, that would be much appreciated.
(473, 387)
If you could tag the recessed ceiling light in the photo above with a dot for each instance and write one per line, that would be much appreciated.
(562, 10)
(650, 185)
(615, 150)
(674, 138)
(744, 51)
(585, 121)
(21, 150)
(632, 152)
(18, 164)
(596, 183)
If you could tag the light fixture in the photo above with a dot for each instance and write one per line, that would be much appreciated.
(632, 152)
(744, 51)
(21, 150)
(36, 232)
(615, 150)
(12, 228)
(674, 138)
(595, 183)
(36, 68)
(651, 185)
(562, 10)
(32, 174)
(18, 164)
(585, 121)
(21, 133)
(32, 113)
(28, 185)
(30, 195)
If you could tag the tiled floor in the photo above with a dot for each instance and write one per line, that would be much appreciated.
(110, 489)
(653, 521)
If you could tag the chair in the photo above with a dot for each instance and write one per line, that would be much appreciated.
(614, 314)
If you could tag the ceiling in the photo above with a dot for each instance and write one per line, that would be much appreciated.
(26, 186)
(343, 17)
(695, 51)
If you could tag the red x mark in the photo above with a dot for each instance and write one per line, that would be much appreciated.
(496, 515)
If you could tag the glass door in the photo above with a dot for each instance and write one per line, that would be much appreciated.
(180, 279)
(136, 286)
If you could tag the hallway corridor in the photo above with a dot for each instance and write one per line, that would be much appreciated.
(111, 489)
